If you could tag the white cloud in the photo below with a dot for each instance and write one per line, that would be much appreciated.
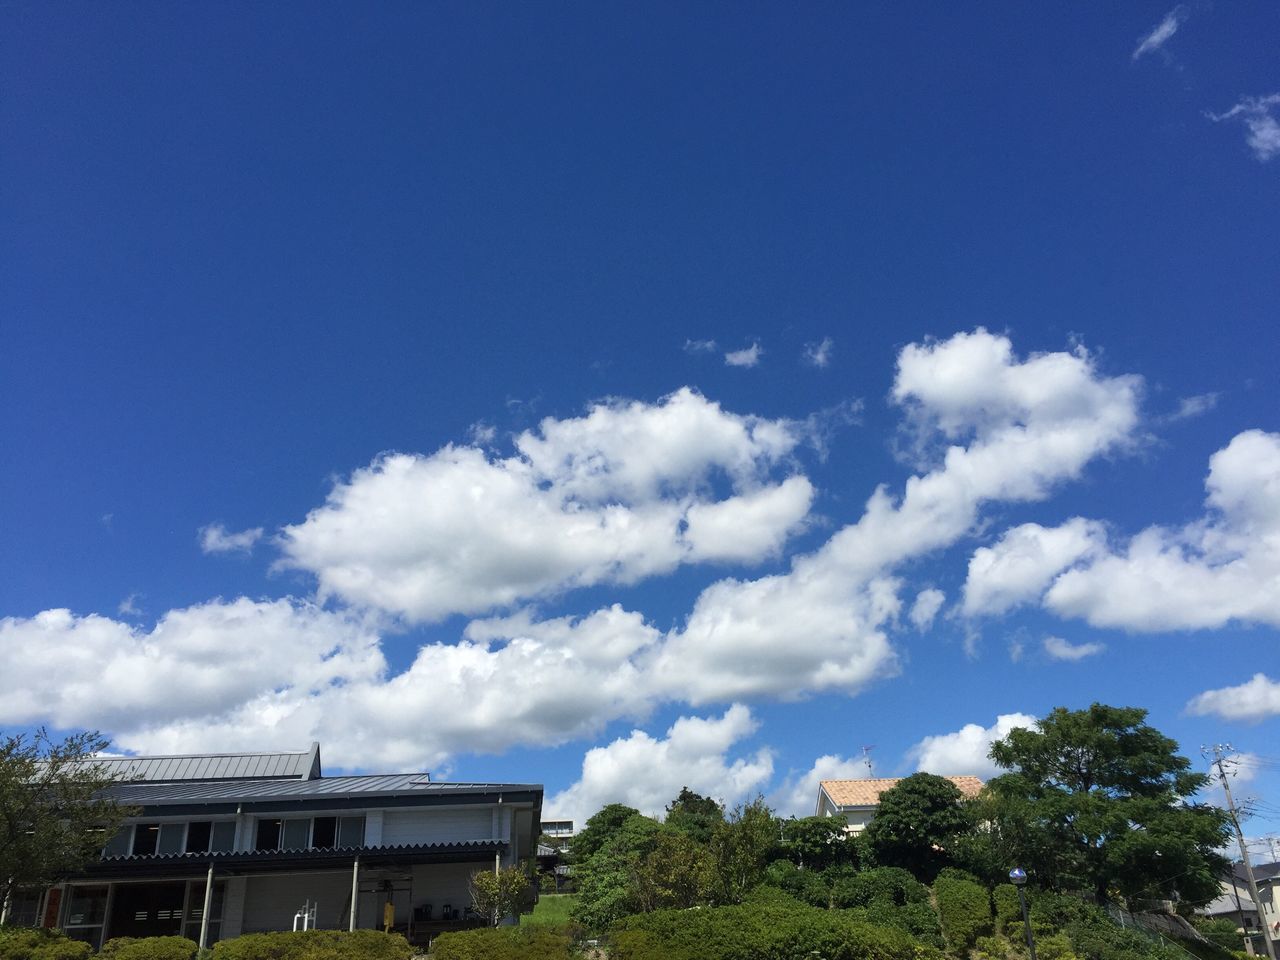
(1255, 700)
(818, 354)
(964, 752)
(823, 624)
(1222, 567)
(620, 494)
(798, 795)
(928, 603)
(1195, 406)
(216, 538)
(1264, 129)
(1059, 649)
(128, 607)
(1019, 567)
(647, 773)
(1162, 31)
(746, 357)
(700, 346)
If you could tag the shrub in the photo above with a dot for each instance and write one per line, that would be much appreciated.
(955, 873)
(808, 886)
(315, 945)
(991, 948)
(503, 943)
(27, 943)
(1055, 947)
(1008, 909)
(887, 886)
(917, 919)
(965, 910)
(149, 948)
(760, 931)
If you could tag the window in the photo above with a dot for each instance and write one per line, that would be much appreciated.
(324, 832)
(171, 838)
(24, 908)
(146, 836)
(351, 832)
(198, 834)
(297, 835)
(224, 836)
(195, 910)
(85, 912)
(268, 835)
(118, 846)
(320, 833)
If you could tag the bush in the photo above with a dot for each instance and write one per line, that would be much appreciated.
(886, 886)
(315, 945)
(760, 931)
(149, 948)
(503, 943)
(965, 910)
(807, 886)
(991, 948)
(917, 919)
(27, 943)
(1008, 909)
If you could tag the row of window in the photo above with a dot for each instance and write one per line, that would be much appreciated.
(219, 836)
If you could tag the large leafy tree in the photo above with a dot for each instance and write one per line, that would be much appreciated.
(606, 880)
(741, 849)
(1099, 801)
(816, 843)
(599, 830)
(54, 816)
(916, 825)
(694, 814)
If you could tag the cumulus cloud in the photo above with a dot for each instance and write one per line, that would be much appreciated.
(647, 772)
(1019, 567)
(925, 609)
(1252, 701)
(216, 538)
(798, 795)
(1258, 116)
(818, 353)
(1195, 406)
(746, 357)
(1163, 31)
(623, 493)
(1016, 428)
(1222, 567)
(1059, 649)
(964, 752)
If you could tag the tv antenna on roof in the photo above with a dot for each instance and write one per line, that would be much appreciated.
(866, 756)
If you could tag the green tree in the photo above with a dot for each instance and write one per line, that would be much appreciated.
(598, 830)
(497, 894)
(741, 849)
(694, 814)
(1098, 801)
(916, 824)
(606, 880)
(817, 843)
(54, 816)
(676, 874)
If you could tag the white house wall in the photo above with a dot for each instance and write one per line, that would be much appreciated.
(436, 826)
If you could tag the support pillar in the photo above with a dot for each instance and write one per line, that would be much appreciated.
(355, 893)
(208, 905)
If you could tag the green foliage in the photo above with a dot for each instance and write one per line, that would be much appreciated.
(149, 948)
(916, 824)
(808, 886)
(55, 819)
(503, 943)
(695, 815)
(1056, 946)
(1095, 937)
(1220, 932)
(916, 918)
(991, 948)
(965, 910)
(881, 886)
(1004, 897)
(741, 849)
(599, 830)
(551, 910)
(606, 880)
(498, 894)
(25, 943)
(760, 930)
(546, 883)
(676, 873)
(819, 843)
(1096, 800)
(315, 945)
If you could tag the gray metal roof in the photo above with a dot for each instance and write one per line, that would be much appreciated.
(335, 788)
(214, 767)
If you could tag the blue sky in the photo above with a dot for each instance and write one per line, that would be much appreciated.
(506, 391)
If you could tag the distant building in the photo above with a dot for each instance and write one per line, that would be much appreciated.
(856, 801)
(1235, 903)
(285, 846)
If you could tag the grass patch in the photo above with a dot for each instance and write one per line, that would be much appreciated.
(552, 910)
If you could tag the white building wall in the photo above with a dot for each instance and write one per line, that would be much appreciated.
(436, 826)
(270, 902)
(233, 907)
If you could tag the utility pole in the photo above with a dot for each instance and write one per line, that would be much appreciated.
(1218, 751)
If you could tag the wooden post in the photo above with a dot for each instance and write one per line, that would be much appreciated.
(208, 904)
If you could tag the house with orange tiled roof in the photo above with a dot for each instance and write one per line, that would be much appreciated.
(856, 800)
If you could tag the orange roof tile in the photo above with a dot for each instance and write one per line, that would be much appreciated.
(866, 793)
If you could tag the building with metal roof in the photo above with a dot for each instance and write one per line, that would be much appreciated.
(224, 844)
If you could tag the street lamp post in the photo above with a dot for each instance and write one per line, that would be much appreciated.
(1019, 878)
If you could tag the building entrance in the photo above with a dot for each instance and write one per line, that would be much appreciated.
(147, 909)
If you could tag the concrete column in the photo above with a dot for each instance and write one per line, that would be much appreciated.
(355, 892)
(208, 904)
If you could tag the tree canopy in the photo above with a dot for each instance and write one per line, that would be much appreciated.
(916, 825)
(1099, 801)
(694, 814)
(53, 816)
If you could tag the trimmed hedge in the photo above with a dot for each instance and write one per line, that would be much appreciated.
(887, 886)
(149, 948)
(315, 945)
(28, 943)
(1008, 910)
(503, 943)
(760, 931)
(965, 910)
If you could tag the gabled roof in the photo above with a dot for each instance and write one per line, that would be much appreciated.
(866, 793)
(319, 789)
(214, 767)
